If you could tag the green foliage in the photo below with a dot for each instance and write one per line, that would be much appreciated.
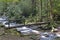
(31, 10)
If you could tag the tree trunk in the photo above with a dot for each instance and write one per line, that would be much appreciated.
(51, 15)
(41, 11)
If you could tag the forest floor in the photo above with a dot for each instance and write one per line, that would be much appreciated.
(12, 34)
(14, 37)
(11, 37)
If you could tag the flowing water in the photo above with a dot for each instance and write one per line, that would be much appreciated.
(47, 36)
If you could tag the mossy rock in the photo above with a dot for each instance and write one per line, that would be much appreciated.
(1, 25)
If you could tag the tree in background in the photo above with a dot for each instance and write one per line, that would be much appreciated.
(31, 10)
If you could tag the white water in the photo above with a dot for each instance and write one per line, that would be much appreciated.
(47, 36)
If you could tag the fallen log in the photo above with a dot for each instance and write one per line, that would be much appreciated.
(29, 24)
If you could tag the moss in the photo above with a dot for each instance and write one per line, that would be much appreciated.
(1, 25)
(57, 38)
